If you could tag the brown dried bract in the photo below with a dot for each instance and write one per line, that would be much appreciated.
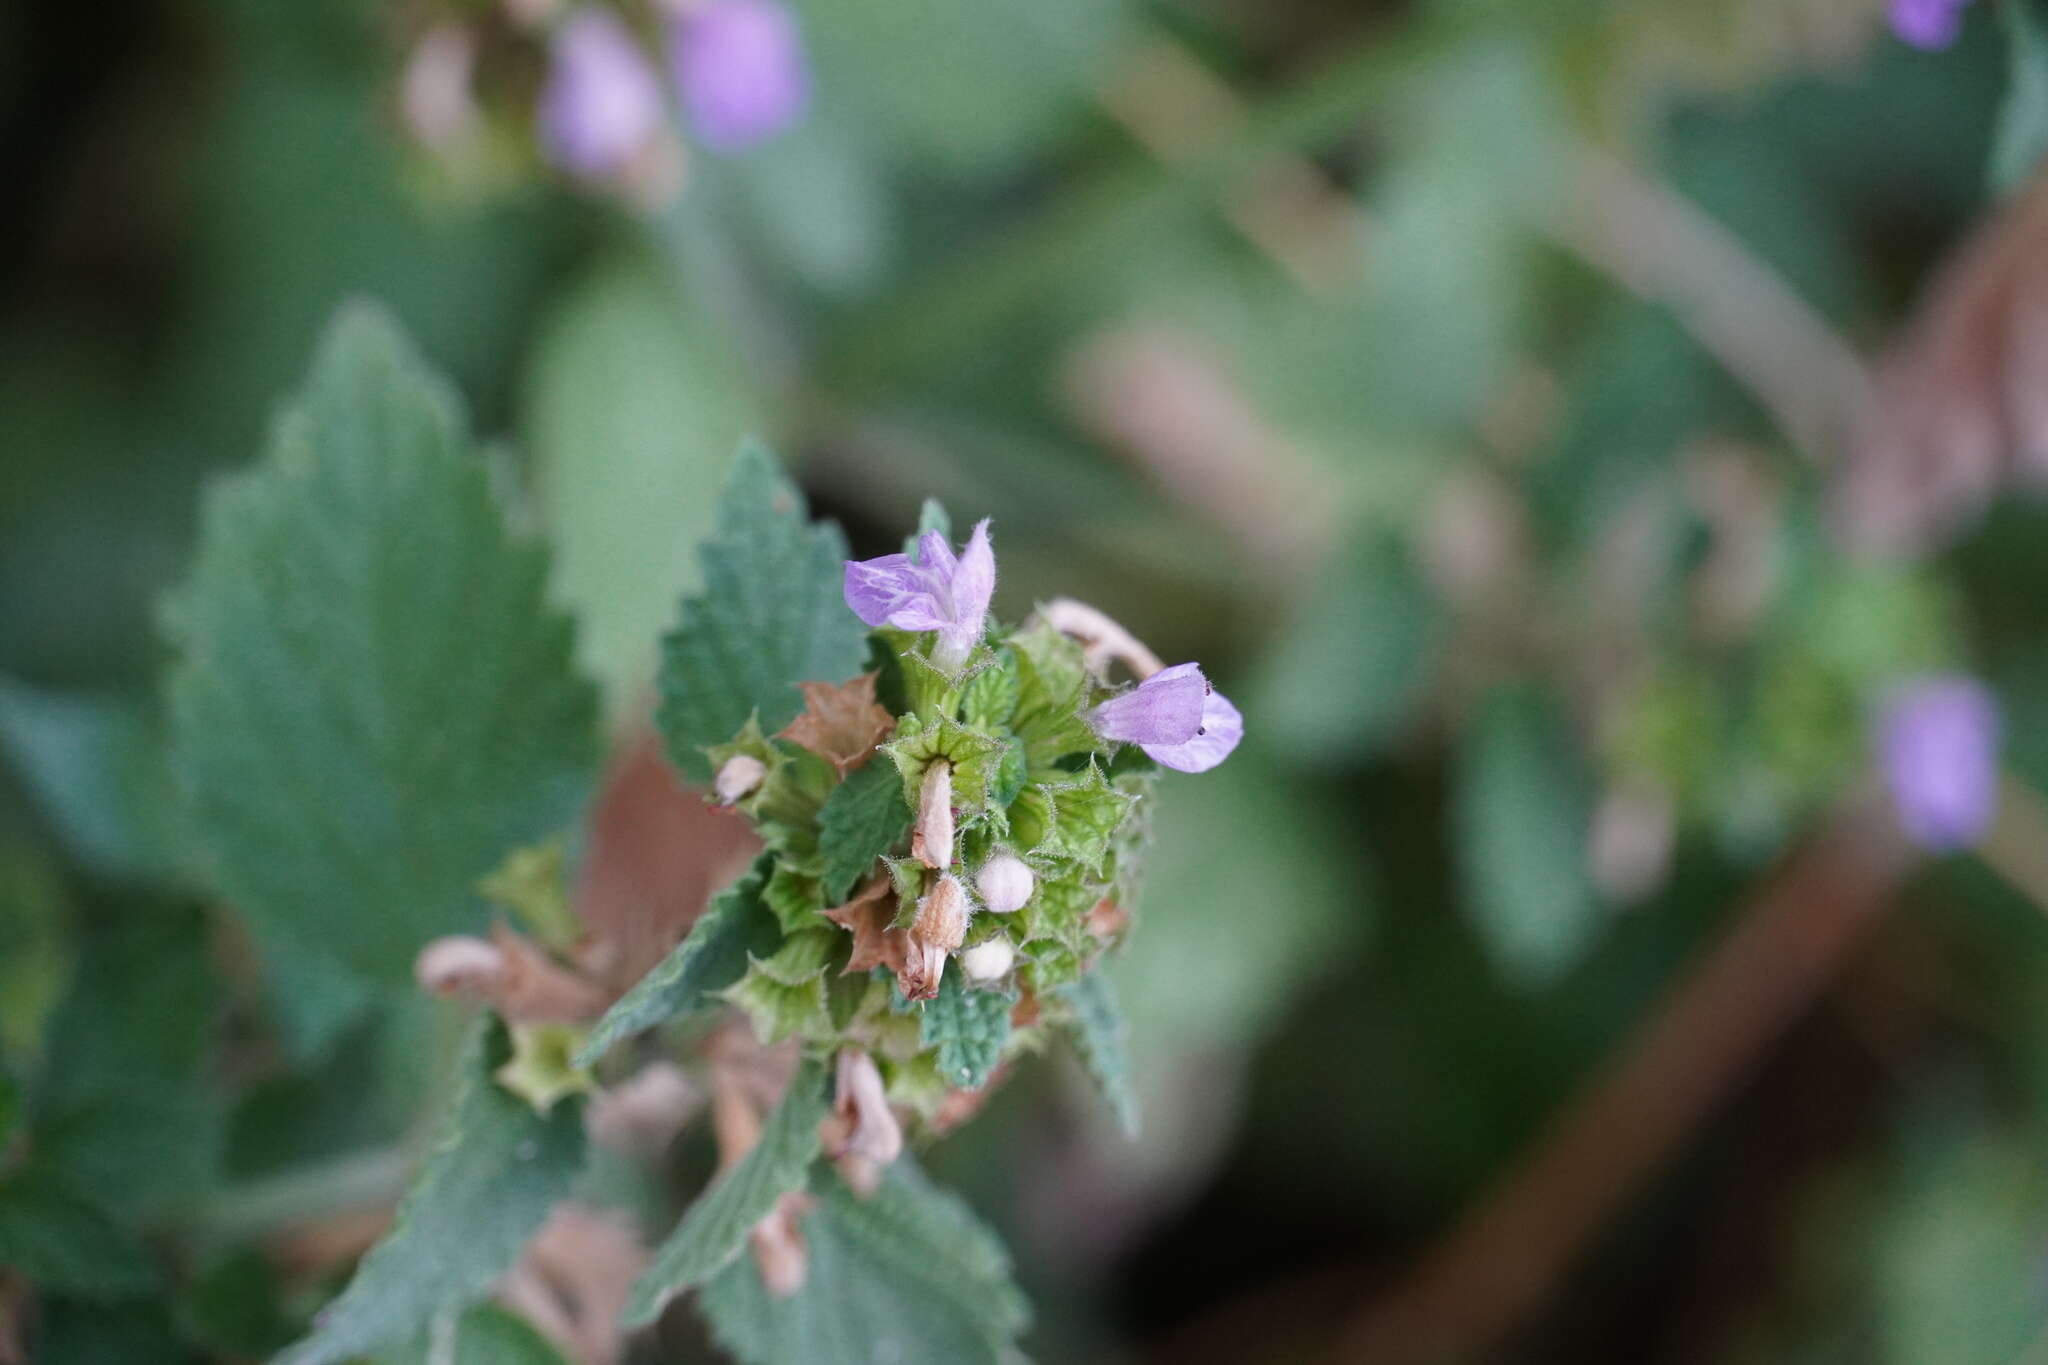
(868, 916)
(841, 723)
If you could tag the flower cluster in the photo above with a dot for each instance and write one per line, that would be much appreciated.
(952, 839)
(734, 69)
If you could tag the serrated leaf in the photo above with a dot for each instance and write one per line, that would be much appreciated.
(373, 701)
(65, 1244)
(771, 616)
(795, 897)
(1521, 825)
(1101, 1039)
(496, 1171)
(976, 757)
(1088, 811)
(908, 1274)
(632, 420)
(1052, 692)
(715, 1229)
(969, 1028)
(712, 956)
(784, 995)
(990, 697)
(862, 820)
(483, 1335)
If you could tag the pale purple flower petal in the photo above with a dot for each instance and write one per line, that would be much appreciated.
(739, 66)
(936, 592)
(1222, 727)
(1938, 738)
(602, 104)
(1165, 709)
(1930, 24)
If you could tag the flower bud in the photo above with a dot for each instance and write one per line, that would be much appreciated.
(602, 105)
(931, 840)
(740, 68)
(862, 1135)
(778, 1245)
(737, 777)
(1005, 883)
(459, 965)
(989, 960)
(940, 926)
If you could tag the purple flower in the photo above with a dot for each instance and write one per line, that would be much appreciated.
(1938, 738)
(1174, 716)
(936, 591)
(739, 66)
(602, 103)
(1930, 24)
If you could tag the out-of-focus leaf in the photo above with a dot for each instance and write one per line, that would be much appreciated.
(771, 616)
(97, 765)
(1101, 1037)
(632, 415)
(2023, 119)
(715, 1229)
(1521, 831)
(484, 1335)
(814, 197)
(496, 1171)
(966, 89)
(123, 1107)
(906, 1275)
(1340, 679)
(373, 704)
(711, 957)
(863, 819)
(968, 1026)
(63, 1243)
(33, 961)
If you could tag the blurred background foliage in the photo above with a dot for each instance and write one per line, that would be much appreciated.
(1334, 345)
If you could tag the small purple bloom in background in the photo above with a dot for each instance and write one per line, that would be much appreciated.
(1938, 738)
(1930, 24)
(1175, 717)
(739, 66)
(603, 103)
(935, 592)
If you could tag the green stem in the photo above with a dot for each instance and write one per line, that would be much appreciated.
(982, 284)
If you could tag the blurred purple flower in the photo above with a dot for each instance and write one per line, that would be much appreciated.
(602, 103)
(934, 592)
(1930, 24)
(739, 66)
(1939, 738)
(1175, 717)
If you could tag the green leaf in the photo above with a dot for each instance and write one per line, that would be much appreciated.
(1521, 821)
(771, 615)
(1349, 667)
(496, 1171)
(484, 1335)
(632, 420)
(968, 1026)
(373, 702)
(863, 819)
(990, 697)
(2023, 120)
(1052, 683)
(976, 758)
(908, 1275)
(711, 957)
(1101, 1038)
(1087, 813)
(795, 896)
(715, 1229)
(784, 995)
(65, 1244)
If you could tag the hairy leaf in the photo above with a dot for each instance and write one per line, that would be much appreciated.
(1101, 1039)
(906, 1275)
(711, 957)
(968, 1027)
(496, 1171)
(715, 1229)
(373, 702)
(771, 616)
(861, 821)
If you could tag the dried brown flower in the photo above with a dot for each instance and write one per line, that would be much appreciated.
(868, 916)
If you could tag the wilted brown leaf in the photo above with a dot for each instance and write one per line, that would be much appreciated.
(868, 917)
(841, 723)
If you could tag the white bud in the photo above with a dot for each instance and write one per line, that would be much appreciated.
(737, 778)
(989, 960)
(931, 841)
(459, 965)
(1005, 883)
